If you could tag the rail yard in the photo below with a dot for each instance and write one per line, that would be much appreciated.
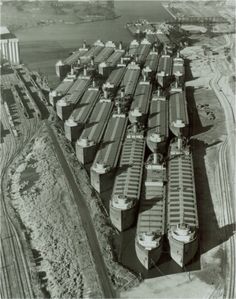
(135, 144)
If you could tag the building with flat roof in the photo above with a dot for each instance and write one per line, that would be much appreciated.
(9, 46)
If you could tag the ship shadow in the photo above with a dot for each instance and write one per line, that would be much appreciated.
(210, 233)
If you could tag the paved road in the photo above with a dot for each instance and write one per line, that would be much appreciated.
(107, 288)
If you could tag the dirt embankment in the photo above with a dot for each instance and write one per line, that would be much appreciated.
(40, 194)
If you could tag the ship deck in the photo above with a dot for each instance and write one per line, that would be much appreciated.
(116, 77)
(115, 57)
(152, 61)
(109, 150)
(76, 91)
(97, 122)
(182, 207)
(165, 65)
(158, 118)
(178, 108)
(142, 97)
(85, 106)
(92, 52)
(129, 177)
(74, 57)
(130, 81)
(63, 87)
(152, 206)
(142, 52)
(103, 55)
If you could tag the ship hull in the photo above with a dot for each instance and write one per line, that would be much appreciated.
(123, 219)
(62, 70)
(101, 182)
(182, 253)
(63, 112)
(164, 81)
(148, 258)
(73, 133)
(86, 155)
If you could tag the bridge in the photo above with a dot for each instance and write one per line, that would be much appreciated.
(199, 20)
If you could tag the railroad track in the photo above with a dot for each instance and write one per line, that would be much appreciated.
(15, 271)
(228, 216)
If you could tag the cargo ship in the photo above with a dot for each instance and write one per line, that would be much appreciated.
(141, 101)
(151, 63)
(66, 105)
(106, 160)
(111, 62)
(74, 125)
(143, 51)
(178, 70)
(88, 143)
(63, 67)
(178, 114)
(164, 71)
(182, 216)
(60, 91)
(158, 125)
(114, 80)
(127, 187)
(92, 53)
(151, 219)
(106, 52)
(130, 80)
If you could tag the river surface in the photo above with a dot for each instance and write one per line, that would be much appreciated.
(41, 47)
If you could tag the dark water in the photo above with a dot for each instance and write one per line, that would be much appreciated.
(41, 47)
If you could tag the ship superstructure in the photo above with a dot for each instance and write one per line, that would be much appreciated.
(74, 125)
(141, 101)
(133, 48)
(106, 160)
(127, 187)
(151, 219)
(88, 143)
(178, 114)
(178, 70)
(158, 125)
(182, 214)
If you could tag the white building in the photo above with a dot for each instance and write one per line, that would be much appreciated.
(9, 47)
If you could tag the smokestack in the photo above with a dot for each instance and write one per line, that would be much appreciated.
(105, 93)
(122, 94)
(118, 107)
(72, 71)
(94, 84)
(155, 158)
(92, 60)
(85, 71)
(84, 44)
(178, 54)
(120, 45)
(79, 61)
(144, 77)
(158, 92)
(176, 84)
(122, 60)
(135, 127)
(180, 143)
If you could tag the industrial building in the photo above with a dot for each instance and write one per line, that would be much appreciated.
(9, 46)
